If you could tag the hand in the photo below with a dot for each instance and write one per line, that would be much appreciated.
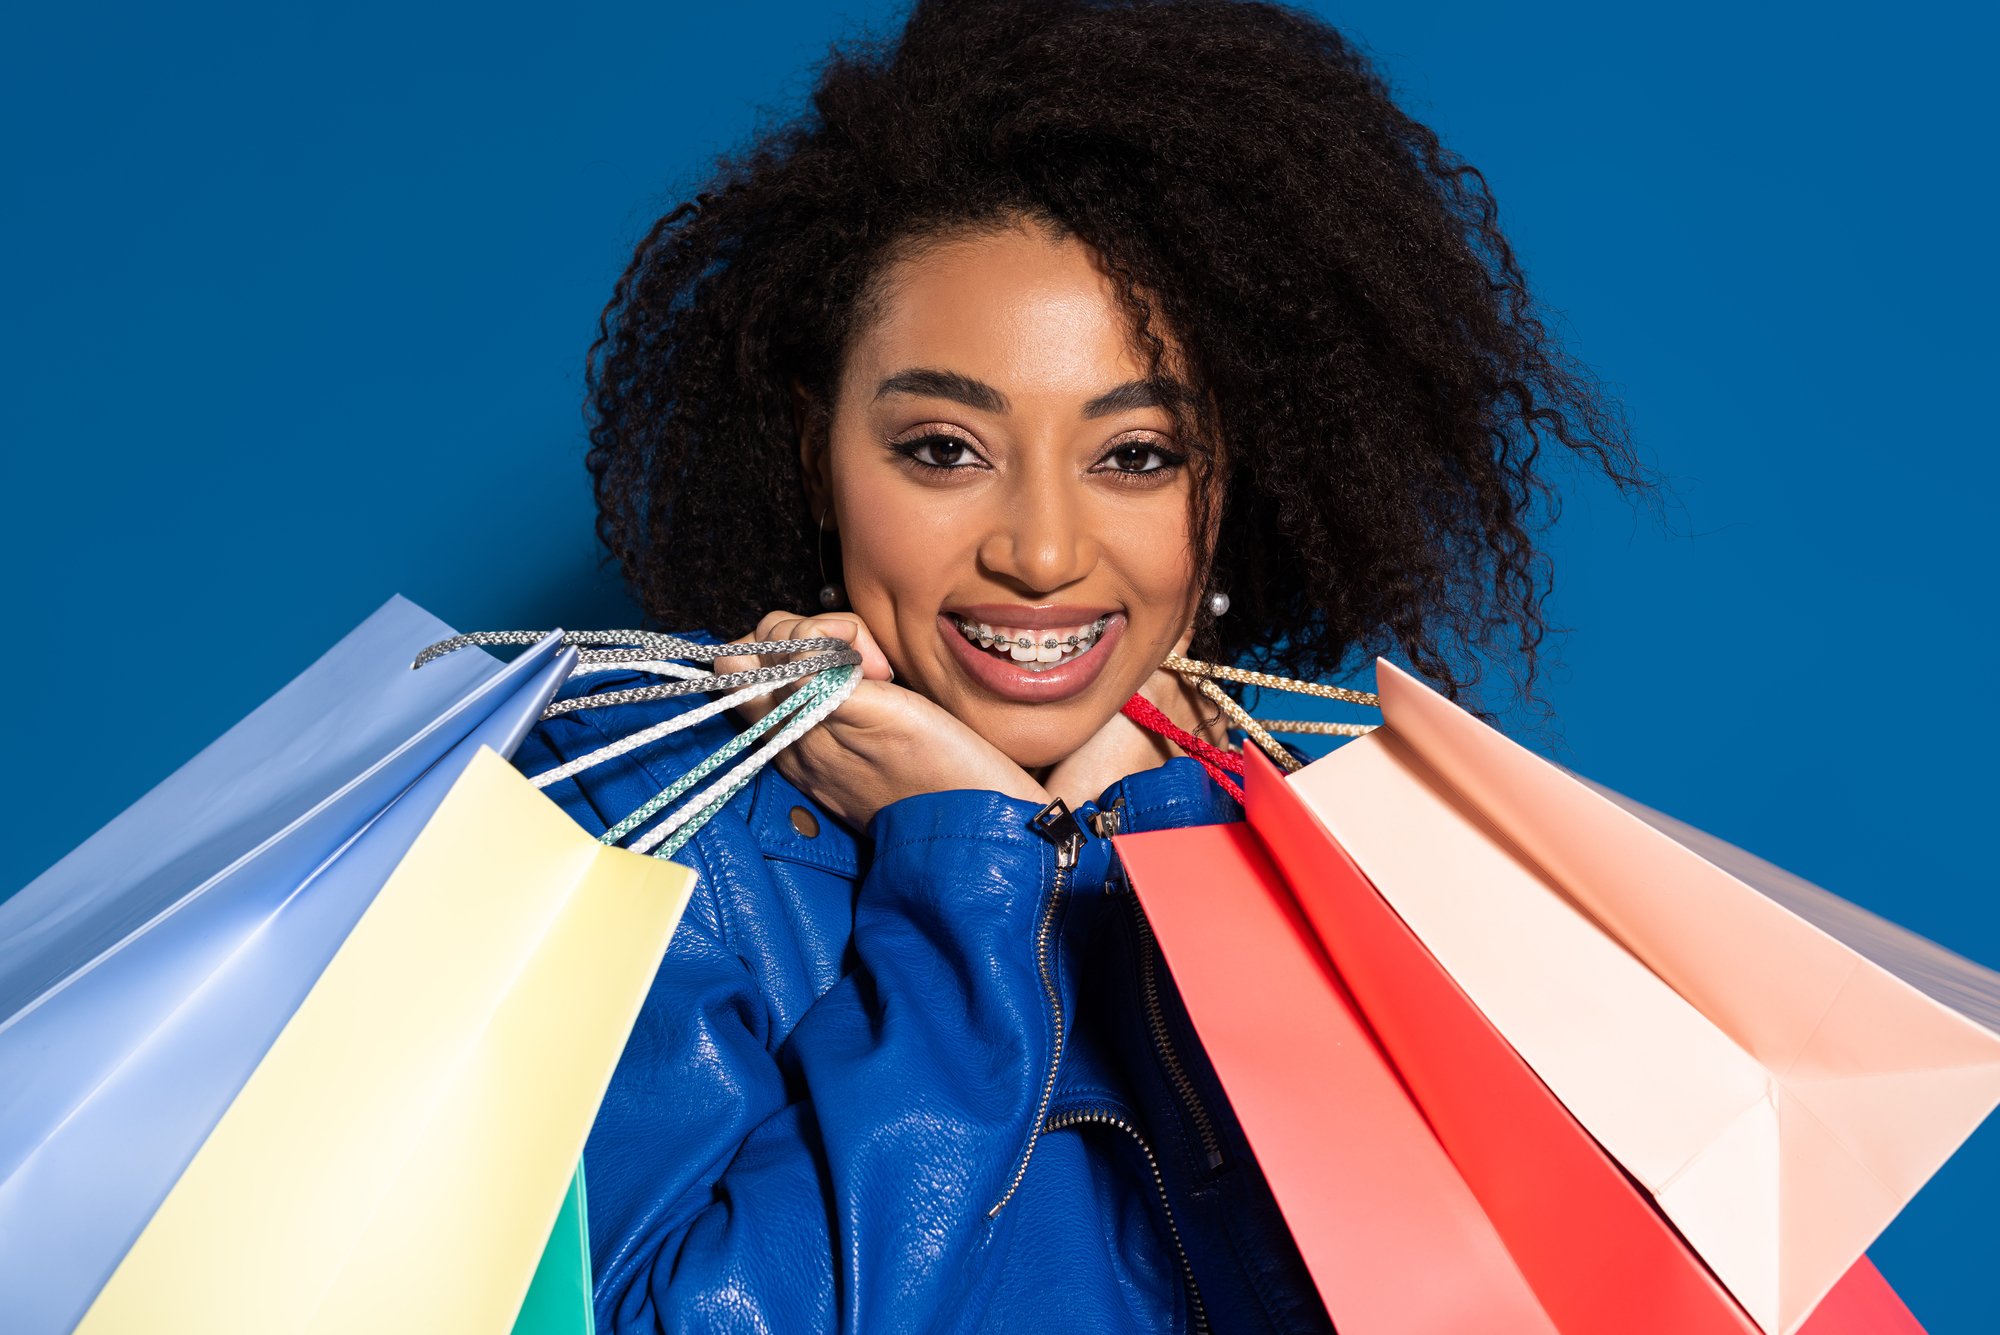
(884, 742)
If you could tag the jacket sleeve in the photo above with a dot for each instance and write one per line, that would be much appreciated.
(841, 1179)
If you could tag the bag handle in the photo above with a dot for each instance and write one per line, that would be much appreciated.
(833, 665)
(1227, 769)
(806, 706)
(646, 651)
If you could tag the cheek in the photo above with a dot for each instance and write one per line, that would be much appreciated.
(904, 544)
(1162, 564)
(903, 556)
(1149, 547)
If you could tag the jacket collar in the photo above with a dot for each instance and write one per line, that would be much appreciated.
(1171, 795)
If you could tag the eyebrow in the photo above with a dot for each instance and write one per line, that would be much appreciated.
(929, 382)
(1152, 392)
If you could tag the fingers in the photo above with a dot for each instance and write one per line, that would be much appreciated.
(782, 625)
(849, 627)
(771, 627)
(845, 626)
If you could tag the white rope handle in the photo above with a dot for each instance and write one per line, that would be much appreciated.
(633, 741)
(718, 792)
(659, 667)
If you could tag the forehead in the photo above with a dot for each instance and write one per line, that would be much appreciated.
(1029, 313)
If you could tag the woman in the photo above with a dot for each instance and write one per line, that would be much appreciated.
(1114, 329)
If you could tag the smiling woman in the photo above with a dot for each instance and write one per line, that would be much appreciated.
(1012, 505)
(1043, 465)
(1077, 335)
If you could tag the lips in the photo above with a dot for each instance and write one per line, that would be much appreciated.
(1019, 682)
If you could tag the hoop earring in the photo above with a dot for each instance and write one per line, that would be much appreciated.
(829, 592)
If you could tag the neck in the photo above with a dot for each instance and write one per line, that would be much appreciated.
(1122, 747)
(1190, 709)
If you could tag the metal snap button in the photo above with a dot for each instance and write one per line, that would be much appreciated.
(805, 822)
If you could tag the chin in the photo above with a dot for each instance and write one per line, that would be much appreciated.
(1032, 745)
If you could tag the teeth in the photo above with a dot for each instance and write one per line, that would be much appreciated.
(1035, 650)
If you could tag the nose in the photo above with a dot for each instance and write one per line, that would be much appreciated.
(1040, 538)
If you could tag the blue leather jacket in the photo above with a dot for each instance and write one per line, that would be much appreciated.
(921, 1080)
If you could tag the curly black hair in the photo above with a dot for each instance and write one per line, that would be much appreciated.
(1377, 383)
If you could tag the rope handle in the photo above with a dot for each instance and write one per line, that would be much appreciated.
(1223, 767)
(805, 707)
(832, 666)
(1220, 764)
(655, 643)
(645, 650)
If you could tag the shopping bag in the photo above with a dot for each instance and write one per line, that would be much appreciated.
(1591, 1246)
(1779, 1070)
(352, 730)
(559, 1295)
(559, 1300)
(167, 953)
(149, 971)
(398, 1159)
(1394, 1240)
(399, 1156)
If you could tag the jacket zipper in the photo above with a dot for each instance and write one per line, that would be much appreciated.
(1057, 824)
(1156, 1017)
(1199, 1315)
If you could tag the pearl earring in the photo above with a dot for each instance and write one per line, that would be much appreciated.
(1218, 603)
(829, 592)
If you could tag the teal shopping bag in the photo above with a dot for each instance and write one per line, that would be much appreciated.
(558, 1301)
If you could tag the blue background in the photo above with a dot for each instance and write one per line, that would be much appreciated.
(296, 304)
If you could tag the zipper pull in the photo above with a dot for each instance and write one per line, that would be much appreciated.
(1059, 825)
(1106, 824)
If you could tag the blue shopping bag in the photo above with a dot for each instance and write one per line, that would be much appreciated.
(143, 978)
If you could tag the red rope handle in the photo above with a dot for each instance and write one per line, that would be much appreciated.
(1219, 763)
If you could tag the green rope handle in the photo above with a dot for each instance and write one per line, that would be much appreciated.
(815, 690)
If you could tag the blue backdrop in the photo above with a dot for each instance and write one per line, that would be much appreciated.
(296, 304)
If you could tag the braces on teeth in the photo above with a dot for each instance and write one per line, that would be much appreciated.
(985, 638)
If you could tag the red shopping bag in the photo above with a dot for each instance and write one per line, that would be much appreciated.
(1347, 1010)
(1393, 1236)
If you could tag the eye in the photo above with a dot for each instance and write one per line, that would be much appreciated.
(937, 453)
(1130, 458)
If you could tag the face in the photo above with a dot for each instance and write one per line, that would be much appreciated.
(1000, 468)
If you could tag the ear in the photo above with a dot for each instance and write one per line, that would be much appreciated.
(809, 423)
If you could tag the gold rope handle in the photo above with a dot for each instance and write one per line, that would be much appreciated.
(1317, 728)
(1241, 718)
(1260, 731)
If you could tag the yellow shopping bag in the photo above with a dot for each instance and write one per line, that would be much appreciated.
(398, 1159)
